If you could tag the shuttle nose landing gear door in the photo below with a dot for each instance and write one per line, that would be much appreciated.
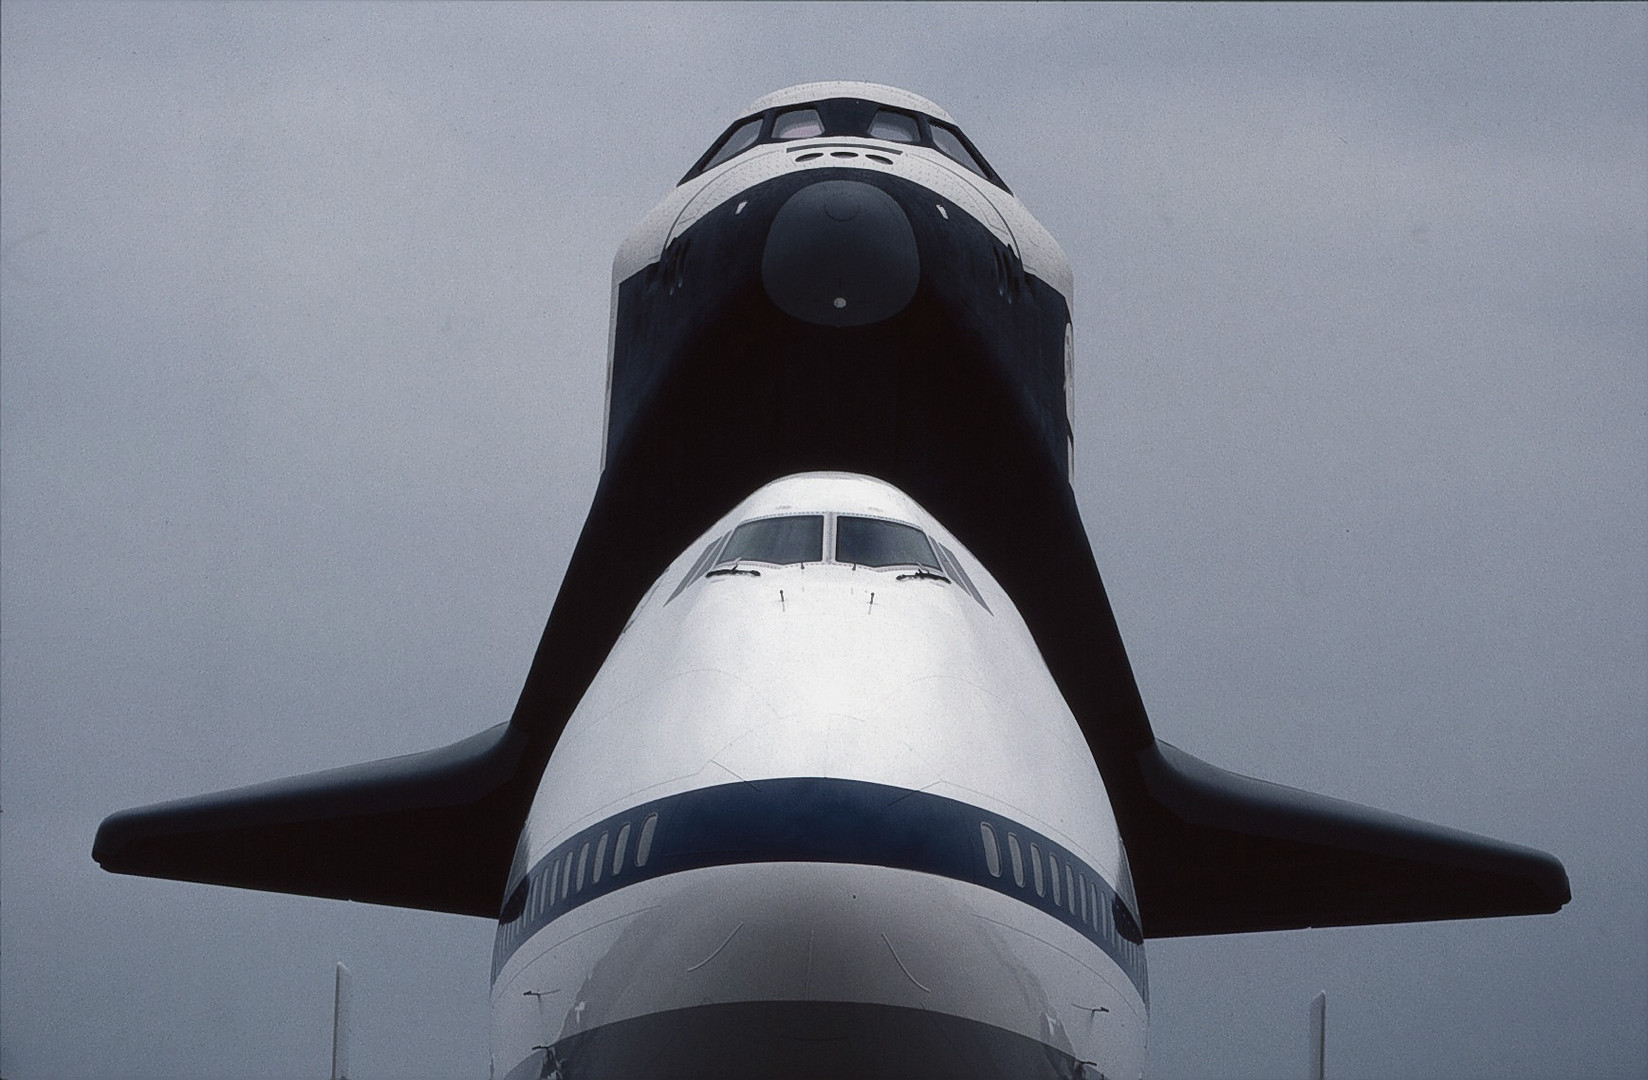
(840, 253)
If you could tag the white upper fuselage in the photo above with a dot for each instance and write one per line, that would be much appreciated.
(923, 689)
(824, 669)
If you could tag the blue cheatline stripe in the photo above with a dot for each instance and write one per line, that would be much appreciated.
(815, 819)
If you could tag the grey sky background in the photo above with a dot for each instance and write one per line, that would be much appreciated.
(303, 318)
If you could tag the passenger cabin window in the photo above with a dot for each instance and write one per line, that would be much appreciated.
(780, 540)
(643, 846)
(742, 138)
(1124, 883)
(797, 124)
(992, 853)
(1125, 925)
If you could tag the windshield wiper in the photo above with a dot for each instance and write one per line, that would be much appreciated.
(923, 572)
(733, 570)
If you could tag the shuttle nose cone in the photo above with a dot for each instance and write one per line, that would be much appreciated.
(840, 253)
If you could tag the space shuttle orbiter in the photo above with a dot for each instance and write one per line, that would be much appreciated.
(830, 760)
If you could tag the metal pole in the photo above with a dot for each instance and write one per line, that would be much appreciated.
(1319, 1037)
(340, 1025)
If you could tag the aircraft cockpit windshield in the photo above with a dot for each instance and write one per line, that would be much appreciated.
(794, 539)
(863, 541)
(854, 117)
(848, 539)
(782, 541)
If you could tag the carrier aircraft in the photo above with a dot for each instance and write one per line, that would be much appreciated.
(830, 761)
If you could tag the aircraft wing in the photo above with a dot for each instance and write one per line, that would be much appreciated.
(432, 830)
(1222, 853)
(1214, 852)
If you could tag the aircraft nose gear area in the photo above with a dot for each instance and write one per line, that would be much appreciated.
(840, 253)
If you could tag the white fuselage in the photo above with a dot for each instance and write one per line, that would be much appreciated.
(879, 679)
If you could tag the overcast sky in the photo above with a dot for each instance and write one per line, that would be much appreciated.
(303, 319)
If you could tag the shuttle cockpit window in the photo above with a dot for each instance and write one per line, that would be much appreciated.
(894, 127)
(949, 142)
(873, 542)
(797, 124)
(850, 118)
(742, 138)
(783, 541)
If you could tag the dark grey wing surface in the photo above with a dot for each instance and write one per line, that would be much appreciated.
(434, 830)
(431, 830)
(1223, 853)
(1213, 852)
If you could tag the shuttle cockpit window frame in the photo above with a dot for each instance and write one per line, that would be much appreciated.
(895, 125)
(740, 138)
(719, 152)
(848, 118)
(798, 123)
(952, 144)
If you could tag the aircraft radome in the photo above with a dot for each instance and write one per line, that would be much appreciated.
(830, 761)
